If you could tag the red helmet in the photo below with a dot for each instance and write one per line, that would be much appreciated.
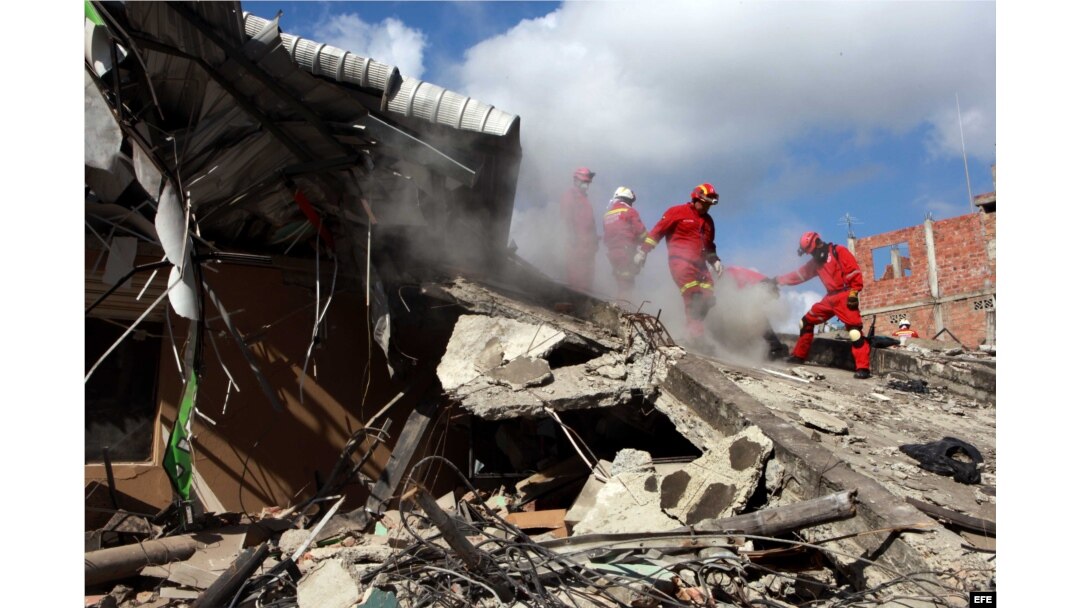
(705, 193)
(809, 242)
(583, 174)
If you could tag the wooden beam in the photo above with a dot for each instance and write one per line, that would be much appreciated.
(983, 527)
(476, 561)
(777, 521)
(105, 565)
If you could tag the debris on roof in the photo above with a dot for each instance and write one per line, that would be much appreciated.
(358, 395)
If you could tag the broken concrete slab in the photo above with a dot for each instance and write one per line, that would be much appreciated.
(597, 383)
(598, 333)
(629, 502)
(823, 422)
(355, 554)
(478, 341)
(586, 498)
(327, 585)
(177, 593)
(806, 373)
(290, 540)
(522, 372)
(633, 461)
(217, 550)
(609, 365)
(814, 470)
(571, 388)
(720, 482)
(975, 380)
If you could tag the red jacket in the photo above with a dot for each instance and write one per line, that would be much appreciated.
(622, 226)
(840, 272)
(744, 277)
(577, 215)
(690, 236)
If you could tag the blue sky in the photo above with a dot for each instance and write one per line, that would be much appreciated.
(798, 113)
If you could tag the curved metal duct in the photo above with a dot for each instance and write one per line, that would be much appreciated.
(414, 98)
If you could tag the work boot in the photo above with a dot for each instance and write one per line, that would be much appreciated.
(795, 360)
(862, 374)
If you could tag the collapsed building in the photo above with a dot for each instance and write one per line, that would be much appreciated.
(317, 375)
(941, 275)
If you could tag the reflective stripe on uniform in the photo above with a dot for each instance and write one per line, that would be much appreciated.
(692, 284)
(649, 240)
(615, 211)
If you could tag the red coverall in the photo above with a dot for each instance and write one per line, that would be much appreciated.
(905, 333)
(840, 274)
(582, 242)
(690, 242)
(623, 231)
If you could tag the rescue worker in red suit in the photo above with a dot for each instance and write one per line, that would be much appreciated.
(840, 273)
(691, 246)
(623, 233)
(580, 225)
(905, 330)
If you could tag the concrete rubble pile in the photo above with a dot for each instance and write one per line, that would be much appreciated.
(426, 419)
(730, 521)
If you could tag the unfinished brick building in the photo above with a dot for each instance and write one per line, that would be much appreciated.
(946, 281)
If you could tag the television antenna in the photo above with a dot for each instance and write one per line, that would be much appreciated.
(849, 220)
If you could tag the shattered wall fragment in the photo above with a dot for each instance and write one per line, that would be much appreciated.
(718, 484)
(481, 343)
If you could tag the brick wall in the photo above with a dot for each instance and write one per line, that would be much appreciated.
(877, 294)
(966, 253)
(962, 261)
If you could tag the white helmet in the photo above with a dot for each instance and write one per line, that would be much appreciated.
(905, 323)
(626, 194)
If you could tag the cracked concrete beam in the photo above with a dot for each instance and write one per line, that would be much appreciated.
(571, 388)
(510, 391)
(596, 337)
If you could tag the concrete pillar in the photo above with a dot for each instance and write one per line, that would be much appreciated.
(897, 263)
(931, 268)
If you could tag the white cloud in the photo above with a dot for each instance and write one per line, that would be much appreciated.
(389, 41)
(671, 92)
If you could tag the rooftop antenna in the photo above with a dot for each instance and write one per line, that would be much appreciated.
(849, 220)
(963, 149)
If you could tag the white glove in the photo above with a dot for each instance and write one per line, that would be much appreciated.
(717, 267)
(639, 258)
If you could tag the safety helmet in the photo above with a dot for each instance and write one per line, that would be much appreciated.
(704, 193)
(625, 194)
(583, 174)
(905, 323)
(809, 242)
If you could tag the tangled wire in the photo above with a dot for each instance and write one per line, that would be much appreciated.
(508, 566)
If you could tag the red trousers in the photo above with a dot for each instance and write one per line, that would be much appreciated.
(580, 267)
(833, 304)
(624, 269)
(695, 284)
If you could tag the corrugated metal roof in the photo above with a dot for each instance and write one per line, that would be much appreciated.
(240, 116)
(410, 97)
